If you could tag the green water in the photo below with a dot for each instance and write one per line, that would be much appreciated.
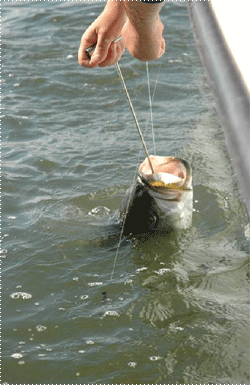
(177, 308)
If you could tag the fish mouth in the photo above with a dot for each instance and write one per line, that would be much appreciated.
(171, 174)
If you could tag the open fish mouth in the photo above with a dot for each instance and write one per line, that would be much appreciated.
(161, 197)
(171, 176)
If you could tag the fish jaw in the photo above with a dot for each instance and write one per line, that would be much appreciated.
(169, 172)
(171, 188)
(162, 200)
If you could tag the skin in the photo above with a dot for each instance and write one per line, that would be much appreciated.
(143, 30)
(138, 23)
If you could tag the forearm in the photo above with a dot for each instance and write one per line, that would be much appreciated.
(143, 31)
(142, 14)
(115, 10)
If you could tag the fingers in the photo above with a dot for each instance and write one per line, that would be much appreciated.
(114, 54)
(101, 51)
(88, 39)
(106, 52)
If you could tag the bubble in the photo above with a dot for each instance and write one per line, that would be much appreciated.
(90, 342)
(155, 358)
(112, 313)
(85, 296)
(21, 362)
(69, 57)
(142, 268)
(128, 281)
(3, 251)
(162, 271)
(99, 211)
(95, 283)
(21, 295)
(11, 217)
(81, 351)
(132, 364)
(17, 355)
(40, 328)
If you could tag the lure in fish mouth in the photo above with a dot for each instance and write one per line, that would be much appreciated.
(162, 200)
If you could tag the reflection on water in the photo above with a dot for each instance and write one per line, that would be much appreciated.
(177, 308)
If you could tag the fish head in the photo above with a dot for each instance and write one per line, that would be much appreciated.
(170, 185)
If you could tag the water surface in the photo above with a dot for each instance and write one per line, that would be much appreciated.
(177, 309)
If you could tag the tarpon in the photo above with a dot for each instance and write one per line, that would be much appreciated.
(162, 200)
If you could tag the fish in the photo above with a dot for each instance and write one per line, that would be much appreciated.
(161, 200)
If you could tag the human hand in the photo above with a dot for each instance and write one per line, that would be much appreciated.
(101, 34)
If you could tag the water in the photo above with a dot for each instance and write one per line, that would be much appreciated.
(177, 309)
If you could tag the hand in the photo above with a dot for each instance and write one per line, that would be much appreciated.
(102, 32)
